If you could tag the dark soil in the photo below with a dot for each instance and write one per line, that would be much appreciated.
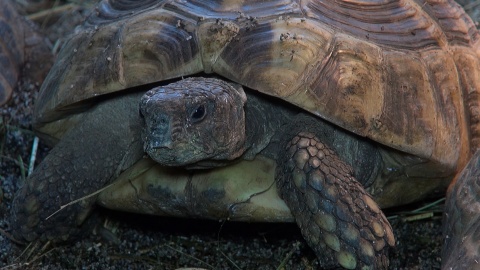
(128, 241)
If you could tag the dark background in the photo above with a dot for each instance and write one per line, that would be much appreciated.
(128, 241)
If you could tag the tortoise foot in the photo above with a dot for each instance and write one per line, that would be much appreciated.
(337, 217)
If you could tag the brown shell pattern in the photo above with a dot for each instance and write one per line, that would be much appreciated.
(404, 73)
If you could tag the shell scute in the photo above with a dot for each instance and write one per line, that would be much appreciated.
(349, 75)
(468, 68)
(448, 96)
(393, 23)
(408, 109)
(117, 56)
(275, 56)
(453, 20)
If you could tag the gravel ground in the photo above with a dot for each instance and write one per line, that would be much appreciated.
(128, 241)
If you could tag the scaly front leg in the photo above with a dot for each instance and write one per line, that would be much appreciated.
(337, 217)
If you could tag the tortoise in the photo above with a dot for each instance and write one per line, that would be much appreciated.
(21, 44)
(254, 110)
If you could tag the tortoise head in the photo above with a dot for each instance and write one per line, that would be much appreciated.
(195, 122)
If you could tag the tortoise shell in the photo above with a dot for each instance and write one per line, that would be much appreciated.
(404, 73)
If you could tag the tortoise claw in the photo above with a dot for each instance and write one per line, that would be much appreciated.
(337, 217)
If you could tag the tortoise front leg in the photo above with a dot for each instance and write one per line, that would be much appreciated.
(86, 159)
(337, 217)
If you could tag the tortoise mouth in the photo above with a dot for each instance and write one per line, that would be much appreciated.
(166, 158)
(172, 158)
(179, 155)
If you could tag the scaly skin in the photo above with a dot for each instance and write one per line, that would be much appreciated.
(461, 221)
(337, 217)
(84, 161)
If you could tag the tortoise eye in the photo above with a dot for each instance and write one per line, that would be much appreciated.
(198, 114)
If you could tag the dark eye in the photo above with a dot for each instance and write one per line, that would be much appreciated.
(198, 114)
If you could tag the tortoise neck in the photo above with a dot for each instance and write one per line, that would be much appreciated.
(271, 123)
(264, 116)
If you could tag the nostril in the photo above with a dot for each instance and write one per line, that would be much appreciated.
(163, 121)
(157, 131)
(158, 137)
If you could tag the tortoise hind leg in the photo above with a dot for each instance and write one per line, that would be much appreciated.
(461, 219)
(85, 160)
(337, 217)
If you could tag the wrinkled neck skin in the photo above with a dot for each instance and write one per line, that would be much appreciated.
(271, 123)
(264, 120)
